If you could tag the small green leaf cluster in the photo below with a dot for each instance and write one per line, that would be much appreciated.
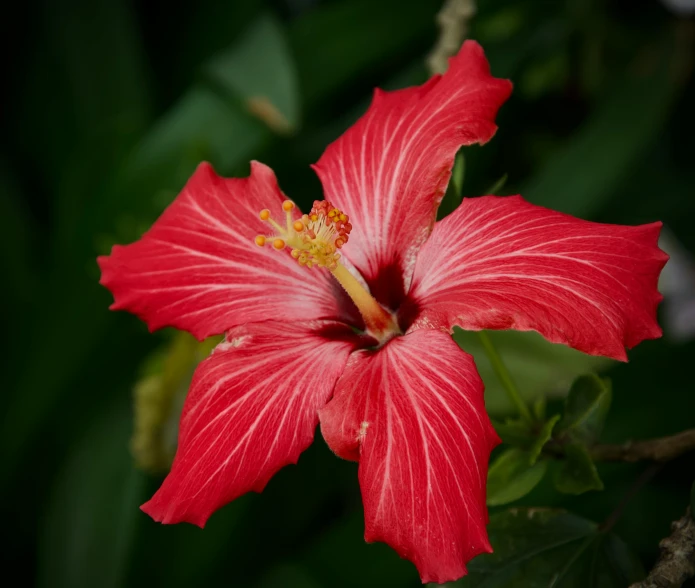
(565, 438)
(545, 546)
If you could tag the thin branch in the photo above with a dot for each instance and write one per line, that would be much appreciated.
(453, 25)
(677, 560)
(659, 450)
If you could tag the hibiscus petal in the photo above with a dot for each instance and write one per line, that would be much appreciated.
(390, 170)
(502, 263)
(413, 414)
(252, 409)
(198, 268)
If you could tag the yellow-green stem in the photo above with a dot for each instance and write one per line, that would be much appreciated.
(376, 319)
(503, 375)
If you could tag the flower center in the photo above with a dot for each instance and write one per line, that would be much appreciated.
(314, 239)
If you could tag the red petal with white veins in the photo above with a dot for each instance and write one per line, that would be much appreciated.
(502, 263)
(252, 409)
(198, 268)
(390, 170)
(413, 414)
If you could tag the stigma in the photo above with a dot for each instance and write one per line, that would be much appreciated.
(313, 239)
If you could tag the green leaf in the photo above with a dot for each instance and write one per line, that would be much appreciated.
(516, 432)
(259, 71)
(93, 511)
(511, 476)
(542, 438)
(586, 407)
(577, 473)
(540, 548)
(539, 368)
(539, 407)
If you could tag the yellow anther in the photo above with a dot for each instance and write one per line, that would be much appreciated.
(314, 239)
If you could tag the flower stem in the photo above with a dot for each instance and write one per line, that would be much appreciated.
(504, 376)
(376, 319)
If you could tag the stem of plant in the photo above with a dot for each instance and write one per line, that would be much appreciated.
(504, 377)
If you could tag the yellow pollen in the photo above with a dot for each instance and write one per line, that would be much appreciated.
(315, 238)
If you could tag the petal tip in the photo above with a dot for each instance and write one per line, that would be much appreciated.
(205, 165)
(621, 355)
(170, 517)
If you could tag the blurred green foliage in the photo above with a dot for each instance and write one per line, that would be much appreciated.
(548, 547)
(512, 476)
(110, 104)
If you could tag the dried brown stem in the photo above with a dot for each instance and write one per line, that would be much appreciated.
(676, 562)
(659, 450)
(453, 25)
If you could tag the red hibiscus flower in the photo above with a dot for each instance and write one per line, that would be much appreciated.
(342, 316)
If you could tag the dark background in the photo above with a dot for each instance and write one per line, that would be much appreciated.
(110, 104)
